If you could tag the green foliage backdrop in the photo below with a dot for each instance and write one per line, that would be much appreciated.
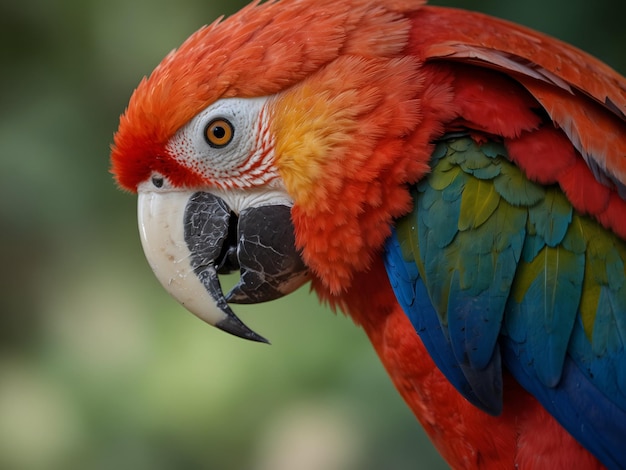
(99, 368)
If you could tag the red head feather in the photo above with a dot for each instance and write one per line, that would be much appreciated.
(261, 50)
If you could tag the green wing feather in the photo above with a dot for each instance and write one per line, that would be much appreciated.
(501, 256)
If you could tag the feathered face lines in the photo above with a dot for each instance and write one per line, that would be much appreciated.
(227, 145)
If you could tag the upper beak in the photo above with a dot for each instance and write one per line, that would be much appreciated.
(190, 237)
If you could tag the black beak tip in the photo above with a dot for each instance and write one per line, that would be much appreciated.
(233, 325)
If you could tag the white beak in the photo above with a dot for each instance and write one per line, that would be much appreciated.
(161, 217)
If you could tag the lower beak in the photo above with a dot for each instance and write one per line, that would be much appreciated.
(190, 237)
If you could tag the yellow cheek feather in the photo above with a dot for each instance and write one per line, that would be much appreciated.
(346, 142)
(308, 125)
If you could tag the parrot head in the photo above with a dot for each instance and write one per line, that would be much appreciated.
(267, 144)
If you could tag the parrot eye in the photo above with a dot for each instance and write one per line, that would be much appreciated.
(219, 132)
(220, 140)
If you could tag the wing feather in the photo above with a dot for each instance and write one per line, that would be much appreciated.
(523, 281)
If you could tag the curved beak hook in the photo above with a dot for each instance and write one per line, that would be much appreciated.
(190, 237)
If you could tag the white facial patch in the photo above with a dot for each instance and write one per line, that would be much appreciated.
(245, 160)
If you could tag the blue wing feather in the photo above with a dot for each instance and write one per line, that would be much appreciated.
(580, 407)
(413, 296)
(521, 282)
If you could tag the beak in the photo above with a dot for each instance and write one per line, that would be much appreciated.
(191, 237)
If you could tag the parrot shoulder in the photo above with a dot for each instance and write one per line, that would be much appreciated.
(580, 95)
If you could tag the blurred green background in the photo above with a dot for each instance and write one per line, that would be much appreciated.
(99, 368)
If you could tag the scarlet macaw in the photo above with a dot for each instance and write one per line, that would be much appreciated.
(453, 182)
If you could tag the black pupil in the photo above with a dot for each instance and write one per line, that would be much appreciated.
(219, 132)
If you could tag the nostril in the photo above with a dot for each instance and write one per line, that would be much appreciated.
(157, 181)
